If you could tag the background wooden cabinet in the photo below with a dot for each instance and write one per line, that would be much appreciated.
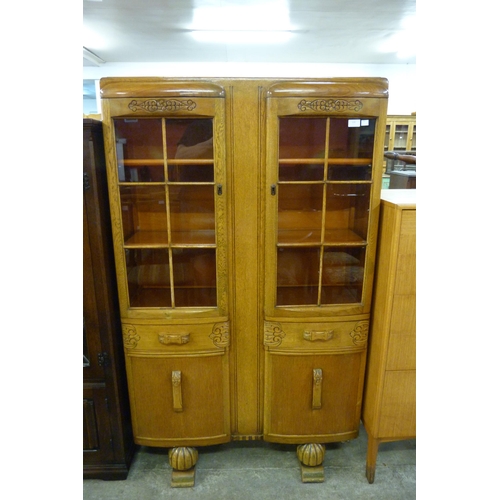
(401, 133)
(107, 434)
(244, 255)
(389, 407)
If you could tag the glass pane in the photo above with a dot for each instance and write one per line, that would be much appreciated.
(139, 149)
(192, 214)
(401, 137)
(414, 139)
(351, 138)
(191, 173)
(343, 270)
(190, 139)
(347, 211)
(346, 172)
(144, 217)
(299, 213)
(148, 275)
(302, 138)
(194, 277)
(297, 276)
(301, 172)
(387, 137)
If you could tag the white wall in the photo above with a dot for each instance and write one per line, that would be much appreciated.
(402, 77)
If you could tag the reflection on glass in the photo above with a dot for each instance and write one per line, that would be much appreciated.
(139, 148)
(192, 216)
(302, 138)
(144, 215)
(190, 139)
(347, 211)
(148, 275)
(299, 212)
(343, 172)
(298, 276)
(351, 138)
(194, 277)
(342, 275)
(301, 172)
(190, 173)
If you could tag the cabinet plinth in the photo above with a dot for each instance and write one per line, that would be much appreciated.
(244, 221)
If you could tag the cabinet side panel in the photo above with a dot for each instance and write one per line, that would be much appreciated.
(380, 322)
(402, 342)
(398, 409)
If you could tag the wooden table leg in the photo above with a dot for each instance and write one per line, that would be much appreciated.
(371, 458)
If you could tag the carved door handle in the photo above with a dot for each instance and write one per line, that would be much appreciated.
(174, 338)
(317, 388)
(177, 390)
(313, 335)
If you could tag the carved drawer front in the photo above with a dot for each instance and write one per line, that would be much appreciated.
(321, 336)
(175, 338)
(179, 400)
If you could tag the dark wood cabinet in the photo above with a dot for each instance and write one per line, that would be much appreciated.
(107, 437)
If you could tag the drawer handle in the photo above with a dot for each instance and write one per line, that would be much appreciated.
(174, 338)
(317, 388)
(177, 390)
(314, 335)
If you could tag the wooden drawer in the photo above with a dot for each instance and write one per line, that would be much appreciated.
(316, 337)
(175, 338)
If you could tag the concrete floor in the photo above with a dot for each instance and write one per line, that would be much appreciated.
(265, 471)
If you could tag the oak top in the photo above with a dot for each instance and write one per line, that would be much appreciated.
(404, 198)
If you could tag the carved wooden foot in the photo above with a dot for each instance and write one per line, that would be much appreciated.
(311, 457)
(182, 460)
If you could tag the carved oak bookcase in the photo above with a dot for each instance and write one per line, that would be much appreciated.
(245, 219)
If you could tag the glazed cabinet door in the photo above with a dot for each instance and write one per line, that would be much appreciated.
(168, 191)
(323, 178)
(323, 175)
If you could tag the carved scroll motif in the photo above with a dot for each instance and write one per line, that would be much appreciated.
(322, 105)
(155, 105)
(130, 336)
(273, 334)
(360, 333)
(220, 335)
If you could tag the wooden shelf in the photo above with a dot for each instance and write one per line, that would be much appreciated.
(159, 239)
(306, 237)
(331, 161)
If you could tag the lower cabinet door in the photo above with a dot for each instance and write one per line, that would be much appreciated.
(313, 397)
(179, 400)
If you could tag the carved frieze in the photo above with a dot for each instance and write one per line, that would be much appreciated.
(273, 334)
(130, 336)
(322, 105)
(160, 105)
